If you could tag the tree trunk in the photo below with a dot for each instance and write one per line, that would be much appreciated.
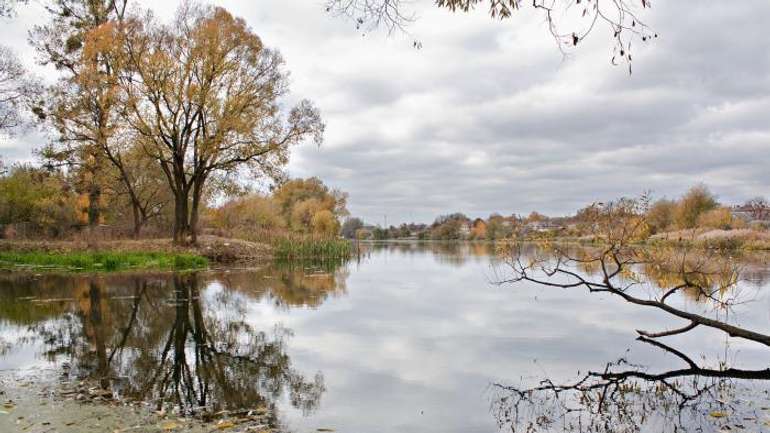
(94, 207)
(182, 216)
(138, 221)
(95, 317)
(196, 200)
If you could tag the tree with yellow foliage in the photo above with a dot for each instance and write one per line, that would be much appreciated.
(696, 201)
(202, 98)
(301, 200)
(83, 104)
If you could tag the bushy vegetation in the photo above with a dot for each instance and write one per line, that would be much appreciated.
(300, 219)
(299, 206)
(43, 201)
(96, 261)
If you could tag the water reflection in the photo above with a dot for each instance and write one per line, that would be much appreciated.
(625, 396)
(291, 283)
(176, 340)
(452, 253)
(409, 338)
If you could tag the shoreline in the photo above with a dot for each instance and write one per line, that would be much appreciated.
(706, 240)
(133, 255)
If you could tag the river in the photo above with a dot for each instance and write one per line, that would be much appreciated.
(406, 337)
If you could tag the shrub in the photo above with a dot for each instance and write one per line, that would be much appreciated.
(660, 216)
(719, 218)
(695, 202)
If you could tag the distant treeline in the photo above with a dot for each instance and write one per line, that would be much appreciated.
(698, 208)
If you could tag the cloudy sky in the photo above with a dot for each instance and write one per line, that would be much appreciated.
(490, 117)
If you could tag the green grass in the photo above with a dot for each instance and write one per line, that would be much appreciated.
(100, 262)
(311, 248)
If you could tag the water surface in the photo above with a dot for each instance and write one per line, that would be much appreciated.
(405, 338)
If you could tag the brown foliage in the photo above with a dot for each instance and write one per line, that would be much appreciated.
(201, 96)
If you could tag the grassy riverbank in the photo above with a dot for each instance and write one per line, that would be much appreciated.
(161, 254)
(155, 253)
(100, 261)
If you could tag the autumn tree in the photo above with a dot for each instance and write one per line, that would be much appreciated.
(82, 105)
(136, 188)
(660, 216)
(498, 227)
(568, 22)
(448, 227)
(301, 199)
(698, 200)
(325, 223)
(202, 96)
(718, 218)
(39, 198)
(247, 214)
(535, 217)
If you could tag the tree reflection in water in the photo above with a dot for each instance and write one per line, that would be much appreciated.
(291, 284)
(206, 362)
(162, 339)
(622, 396)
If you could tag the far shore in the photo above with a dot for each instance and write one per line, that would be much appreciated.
(728, 240)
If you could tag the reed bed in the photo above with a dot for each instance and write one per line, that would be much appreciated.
(298, 247)
(292, 246)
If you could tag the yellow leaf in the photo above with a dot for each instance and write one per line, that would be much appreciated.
(718, 414)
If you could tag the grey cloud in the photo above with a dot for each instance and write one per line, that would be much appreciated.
(489, 117)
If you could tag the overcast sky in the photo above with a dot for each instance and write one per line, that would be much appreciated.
(489, 117)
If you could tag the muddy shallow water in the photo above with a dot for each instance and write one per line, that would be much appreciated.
(405, 338)
(32, 403)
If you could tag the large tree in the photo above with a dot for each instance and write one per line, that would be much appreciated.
(137, 188)
(202, 97)
(83, 102)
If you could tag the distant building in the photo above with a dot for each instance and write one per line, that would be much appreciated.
(543, 226)
(751, 213)
(465, 229)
